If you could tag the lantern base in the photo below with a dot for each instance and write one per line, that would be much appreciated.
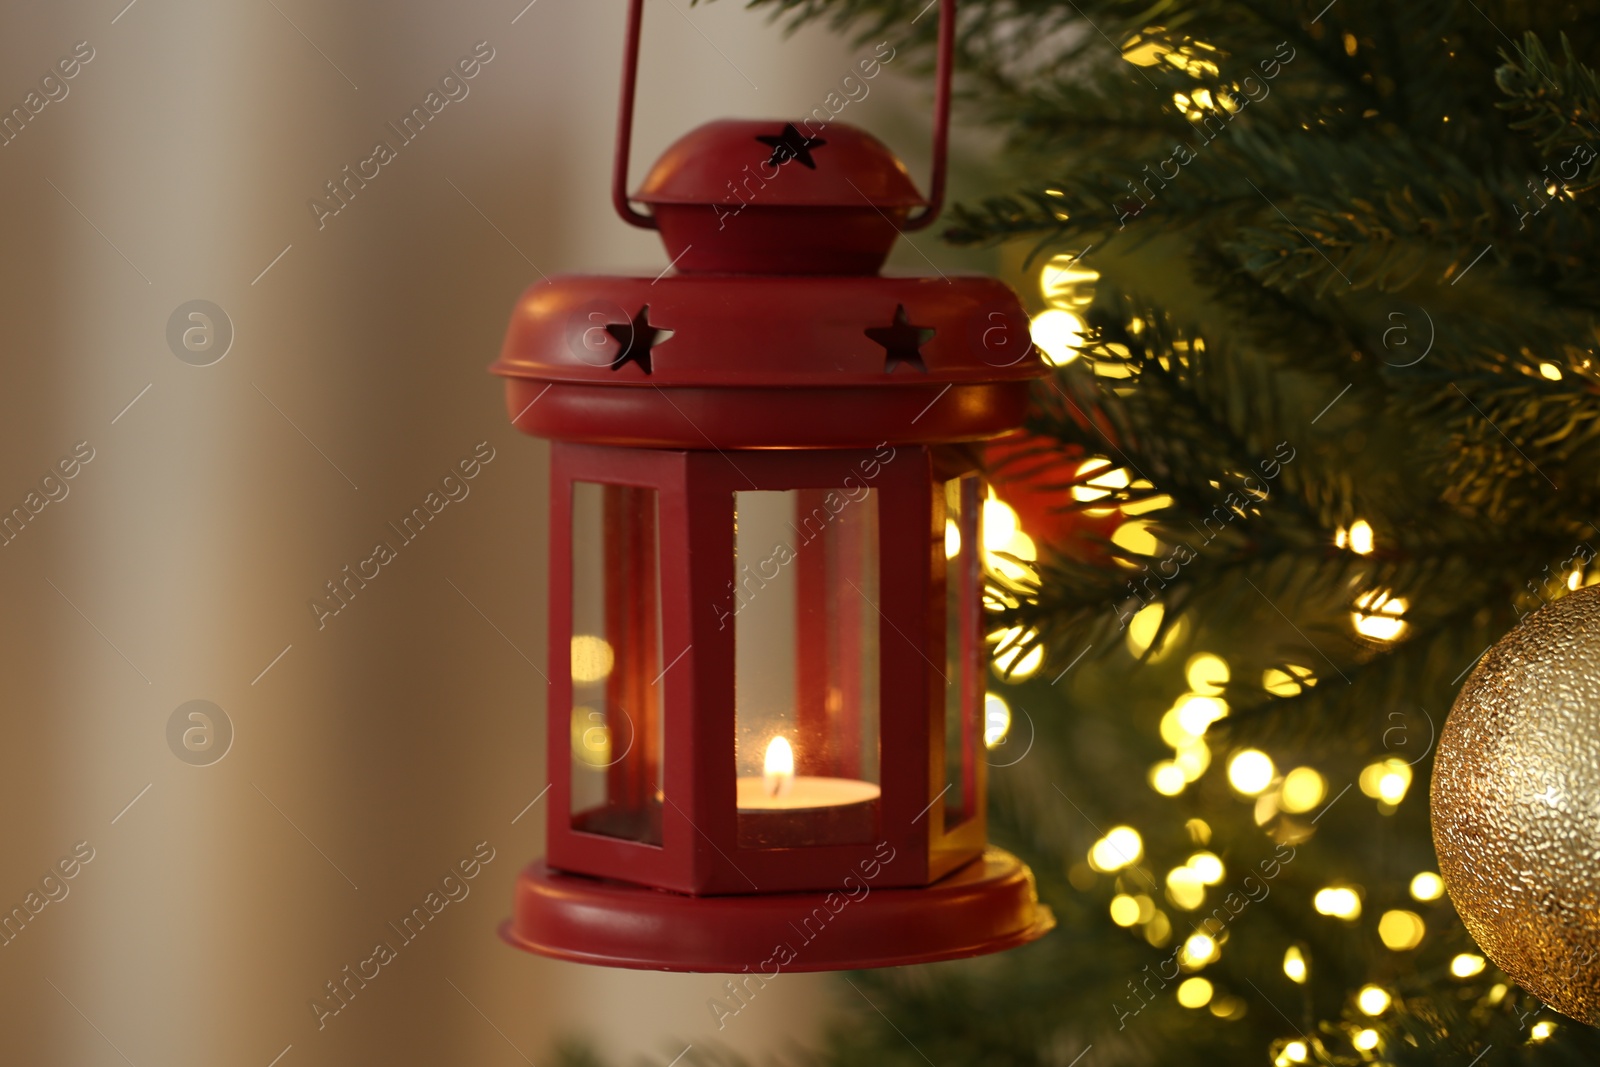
(987, 906)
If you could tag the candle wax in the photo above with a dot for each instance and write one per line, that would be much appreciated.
(805, 793)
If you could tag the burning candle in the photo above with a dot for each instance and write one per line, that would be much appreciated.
(778, 788)
(779, 767)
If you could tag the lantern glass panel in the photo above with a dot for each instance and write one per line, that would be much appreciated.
(806, 666)
(616, 661)
(962, 554)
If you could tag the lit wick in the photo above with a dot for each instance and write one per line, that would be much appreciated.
(779, 767)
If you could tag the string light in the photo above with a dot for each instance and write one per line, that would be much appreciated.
(1250, 772)
(1401, 930)
(1231, 1008)
(1365, 1040)
(1136, 537)
(1197, 713)
(591, 737)
(1192, 759)
(1386, 781)
(592, 658)
(1373, 1000)
(1194, 992)
(999, 525)
(1097, 479)
(1124, 910)
(1293, 1052)
(1427, 886)
(1294, 965)
(1361, 537)
(1467, 965)
(1066, 283)
(996, 719)
(1287, 683)
(1206, 673)
(1010, 661)
(1185, 888)
(1340, 902)
(1380, 616)
(1058, 334)
(1167, 778)
(1198, 950)
(1541, 1030)
(1302, 790)
(1142, 628)
(1121, 847)
(1208, 866)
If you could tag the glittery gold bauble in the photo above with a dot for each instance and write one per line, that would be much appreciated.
(1516, 804)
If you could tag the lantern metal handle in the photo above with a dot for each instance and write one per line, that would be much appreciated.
(941, 119)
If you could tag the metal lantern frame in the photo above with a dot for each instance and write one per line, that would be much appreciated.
(774, 360)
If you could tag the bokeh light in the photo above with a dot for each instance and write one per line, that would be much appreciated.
(1121, 847)
(1427, 886)
(1373, 1000)
(1250, 772)
(1194, 992)
(1302, 790)
(592, 658)
(1401, 930)
(1340, 902)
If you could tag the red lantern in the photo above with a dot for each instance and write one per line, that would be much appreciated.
(767, 656)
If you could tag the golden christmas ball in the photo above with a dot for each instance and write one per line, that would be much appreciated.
(1516, 804)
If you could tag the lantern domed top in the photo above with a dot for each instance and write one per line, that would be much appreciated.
(750, 162)
(774, 197)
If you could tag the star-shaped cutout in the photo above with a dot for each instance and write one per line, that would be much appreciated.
(637, 338)
(792, 144)
(902, 342)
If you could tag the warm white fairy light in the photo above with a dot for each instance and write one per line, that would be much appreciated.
(1120, 847)
(1302, 790)
(1373, 1000)
(1339, 902)
(1380, 616)
(1427, 886)
(1401, 930)
(592, 658)
(1250, 772)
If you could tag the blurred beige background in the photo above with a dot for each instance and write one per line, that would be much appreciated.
(373, 754)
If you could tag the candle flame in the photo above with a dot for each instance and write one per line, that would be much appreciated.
(779, 767)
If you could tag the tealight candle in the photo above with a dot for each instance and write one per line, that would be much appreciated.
(779, 807)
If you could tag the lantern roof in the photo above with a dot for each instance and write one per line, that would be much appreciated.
(773, 163)
(768, 361)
